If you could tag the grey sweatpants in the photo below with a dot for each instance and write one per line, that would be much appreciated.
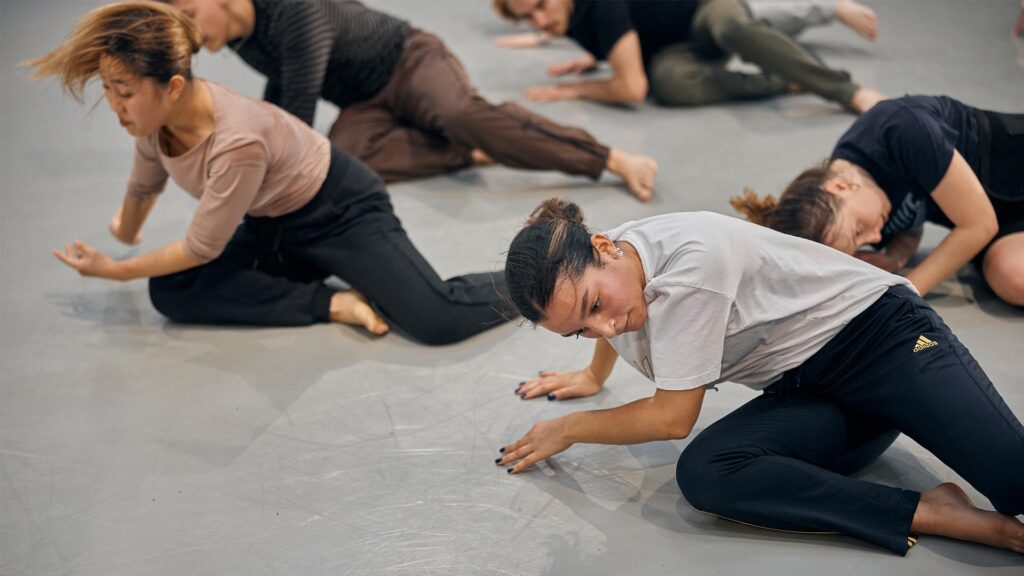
(695, 73)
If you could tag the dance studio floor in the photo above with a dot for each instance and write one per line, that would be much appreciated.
(132, 445)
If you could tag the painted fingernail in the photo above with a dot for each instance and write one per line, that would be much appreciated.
(520, 385)
(509, 470)
(497, 460)
(551, 396)
(501, 450)
(523, 395)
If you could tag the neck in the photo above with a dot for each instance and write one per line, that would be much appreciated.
(192, 117)
(633, 258)
(241, 18)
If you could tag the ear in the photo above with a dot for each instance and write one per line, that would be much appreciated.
(838, 185)
(603, 245)
(176, 87)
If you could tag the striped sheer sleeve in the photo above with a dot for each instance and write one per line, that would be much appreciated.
(306, 38)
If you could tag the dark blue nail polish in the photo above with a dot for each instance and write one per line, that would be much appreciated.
(509, 470)
(520, 385)
(501, 450)
(497, 460)
(523, 395)
(551, 396)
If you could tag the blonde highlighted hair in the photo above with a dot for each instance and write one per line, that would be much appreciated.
(149, 39)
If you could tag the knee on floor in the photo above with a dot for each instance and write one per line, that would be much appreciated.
(702, 480)
(1005, 276)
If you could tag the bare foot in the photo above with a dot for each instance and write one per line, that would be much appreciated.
(857, 17)
(864, 98)
(480, 158)
(351, 307)
(638, 172)
(947, 511)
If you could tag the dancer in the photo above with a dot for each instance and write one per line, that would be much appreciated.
(847, 356)
(408, 109)
(907, 161)
(791, 17)
(678, 51)
(306, 211)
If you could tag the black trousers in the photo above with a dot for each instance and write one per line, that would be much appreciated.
(781, 460)
(271, 272)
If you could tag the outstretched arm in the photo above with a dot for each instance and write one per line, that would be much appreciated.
(963, 200)
(669, 414)
(628, 83)
(160, 262)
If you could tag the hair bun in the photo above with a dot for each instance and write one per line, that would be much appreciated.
(555, 210)
(755, 209)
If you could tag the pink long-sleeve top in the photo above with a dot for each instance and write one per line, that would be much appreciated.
(259, 160)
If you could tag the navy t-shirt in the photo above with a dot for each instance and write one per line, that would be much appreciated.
(906, 145)
(598, 24)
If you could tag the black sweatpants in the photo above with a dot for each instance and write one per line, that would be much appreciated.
(781, 460)
(271, 272)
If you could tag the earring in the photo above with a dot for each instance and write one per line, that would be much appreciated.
(618, 252)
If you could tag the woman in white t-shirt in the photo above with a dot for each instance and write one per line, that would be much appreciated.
(847, 355)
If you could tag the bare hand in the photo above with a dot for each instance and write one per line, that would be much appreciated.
(115, 230)
(1018, 27)
(87, 260)
(878, 259)
(550, 93)
(543, 441)
(578, 66)
(524, 40)
(560, 385)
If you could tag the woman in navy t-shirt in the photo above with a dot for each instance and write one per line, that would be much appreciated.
(907, 161)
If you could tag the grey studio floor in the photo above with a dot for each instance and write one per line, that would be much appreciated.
(133, 445)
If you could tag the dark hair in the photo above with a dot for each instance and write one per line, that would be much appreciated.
(805, 208)
(150, 39)
(554, 244)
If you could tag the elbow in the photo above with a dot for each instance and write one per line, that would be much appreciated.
(675, 430)
(990, 228)
(635, 91)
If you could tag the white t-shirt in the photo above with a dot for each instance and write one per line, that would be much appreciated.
(728, 300)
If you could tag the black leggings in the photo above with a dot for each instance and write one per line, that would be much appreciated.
(271, 272)
(781, 460)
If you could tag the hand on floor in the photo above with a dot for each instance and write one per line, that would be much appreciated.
(543, 441)
(577, 66)
(560, 385)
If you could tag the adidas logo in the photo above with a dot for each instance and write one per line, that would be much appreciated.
(923, 343)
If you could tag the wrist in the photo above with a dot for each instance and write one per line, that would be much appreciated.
(570, 425)
(116, 270)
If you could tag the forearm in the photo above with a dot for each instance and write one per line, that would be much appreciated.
(632, 423)
(902, 248)
(954, 251)
(603, 362)
(613, 91)
(134, 213)
(160, 262)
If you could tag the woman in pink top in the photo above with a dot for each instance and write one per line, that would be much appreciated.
(307, 210)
